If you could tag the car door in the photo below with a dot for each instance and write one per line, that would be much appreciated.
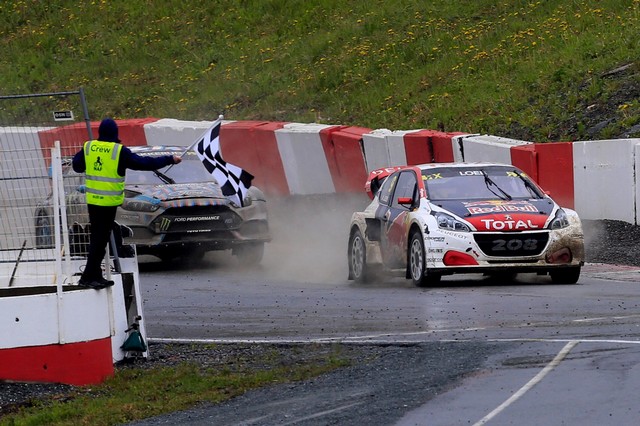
(400, 199)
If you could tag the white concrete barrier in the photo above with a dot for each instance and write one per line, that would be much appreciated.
(604, 179)
(376, 151)
(169, 131)
(304, 159)
(487, 148)
(385, 148)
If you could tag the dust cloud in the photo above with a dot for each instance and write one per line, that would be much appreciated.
(309, 242)
(310, 237)
(595, 236)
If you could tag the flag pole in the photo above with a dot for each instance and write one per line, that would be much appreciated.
(215, 123)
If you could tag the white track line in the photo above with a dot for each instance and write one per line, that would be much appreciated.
(546, 370)
(605, 318)
(358, 340)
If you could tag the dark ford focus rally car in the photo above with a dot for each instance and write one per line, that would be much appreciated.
(432, 220)
(178, 211)
(182, 210)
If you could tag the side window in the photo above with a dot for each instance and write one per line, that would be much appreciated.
(387, 189)
(406, 187)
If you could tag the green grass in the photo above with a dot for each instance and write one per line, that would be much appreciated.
(527, 69)
(136, 393)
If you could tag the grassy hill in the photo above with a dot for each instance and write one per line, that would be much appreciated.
(532, 70)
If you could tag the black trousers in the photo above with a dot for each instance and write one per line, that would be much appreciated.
(101, 219)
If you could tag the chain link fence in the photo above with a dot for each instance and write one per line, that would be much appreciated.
(30, 233)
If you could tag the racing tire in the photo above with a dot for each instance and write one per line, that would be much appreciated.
(565, 275)
(416, 265)
(44, 231)
(250, 254)
(358, 269)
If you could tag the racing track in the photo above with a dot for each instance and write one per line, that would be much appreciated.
(536, 353)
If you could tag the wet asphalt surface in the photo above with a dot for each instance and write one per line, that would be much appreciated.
(415, 351)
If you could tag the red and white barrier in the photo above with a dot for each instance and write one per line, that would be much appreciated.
(252, 145)
(72, 136)
(345, 157)
(65, 335)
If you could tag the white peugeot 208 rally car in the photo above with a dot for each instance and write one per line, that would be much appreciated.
(438, 219)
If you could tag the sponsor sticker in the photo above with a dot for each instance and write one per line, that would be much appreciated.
(432, 176)
(164, 224)
(63, 115)
(499, 206)
(509, 225)
(196, 218)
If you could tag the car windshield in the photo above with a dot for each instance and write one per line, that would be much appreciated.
(479, 183)
(190, 170)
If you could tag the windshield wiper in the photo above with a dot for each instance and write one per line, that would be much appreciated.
(488, 181)
(166, 179)
(532, 189)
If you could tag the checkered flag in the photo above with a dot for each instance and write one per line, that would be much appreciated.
(232, 179)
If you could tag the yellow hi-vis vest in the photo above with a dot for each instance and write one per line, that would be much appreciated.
(104, 186)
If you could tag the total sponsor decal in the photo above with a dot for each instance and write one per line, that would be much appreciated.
(508, 222)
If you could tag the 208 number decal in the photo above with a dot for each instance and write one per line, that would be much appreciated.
(529, 244)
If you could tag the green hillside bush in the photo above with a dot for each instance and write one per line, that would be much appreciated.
(532, 70)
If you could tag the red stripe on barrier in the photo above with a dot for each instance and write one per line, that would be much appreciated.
(525, 158)
(252, 145)
(429, 146)
(343, 150)
(131, 131)
(418, 147)
(71, 137)
(83, 363)
(551, 166)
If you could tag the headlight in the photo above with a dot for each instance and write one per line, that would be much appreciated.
(446, 221)
(140, 206)
(560, 221)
